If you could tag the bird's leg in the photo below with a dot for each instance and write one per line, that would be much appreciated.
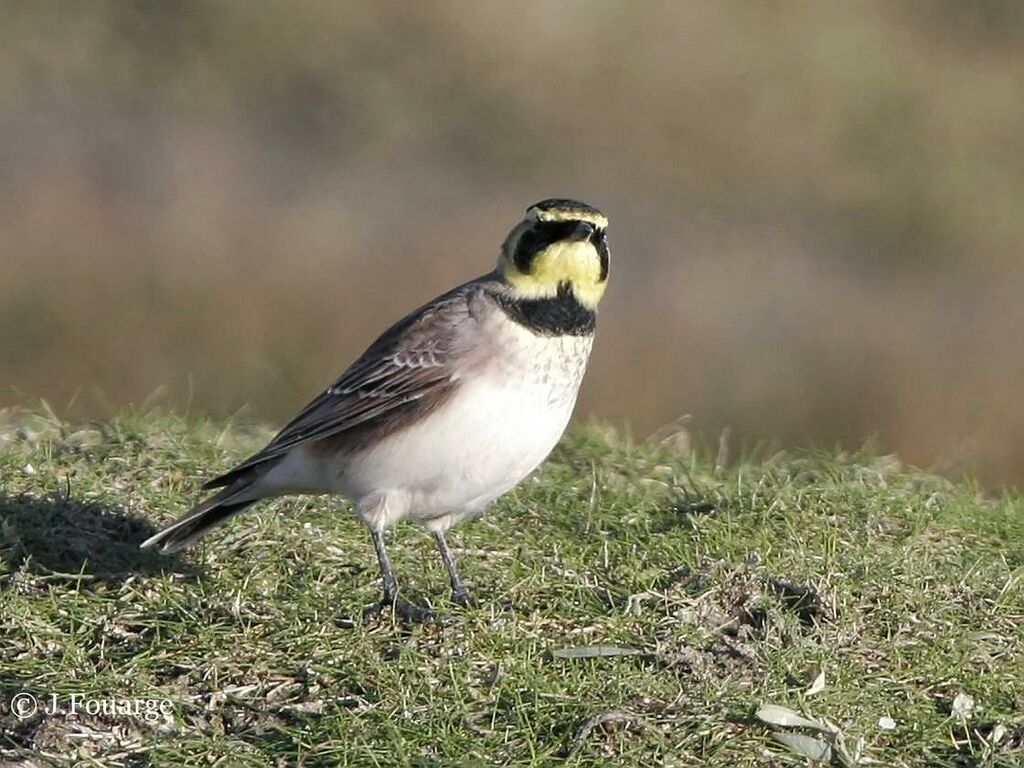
(403, 608)
(387, 573)
(459, 593)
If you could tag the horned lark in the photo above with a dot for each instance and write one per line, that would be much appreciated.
(451, 407)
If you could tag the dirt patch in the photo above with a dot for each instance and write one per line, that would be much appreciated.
(720, 615)
(807, 602)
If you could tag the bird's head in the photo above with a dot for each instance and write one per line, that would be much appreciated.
(560, 243)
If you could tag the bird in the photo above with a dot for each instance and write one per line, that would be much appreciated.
(450, 408)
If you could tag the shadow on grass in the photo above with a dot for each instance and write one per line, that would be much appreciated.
(64, 538)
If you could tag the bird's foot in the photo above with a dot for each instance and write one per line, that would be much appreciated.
(460, 596)
(415, 614)
(403, 609)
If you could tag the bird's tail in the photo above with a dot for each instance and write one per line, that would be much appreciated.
(204, 516)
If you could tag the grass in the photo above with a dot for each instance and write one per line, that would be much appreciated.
(722, 591)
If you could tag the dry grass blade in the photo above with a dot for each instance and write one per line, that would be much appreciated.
(595, 651)
(773, 714)
(805, 746)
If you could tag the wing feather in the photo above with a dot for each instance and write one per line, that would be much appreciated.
(408, 368)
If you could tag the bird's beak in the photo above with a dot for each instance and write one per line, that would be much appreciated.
(583, 231)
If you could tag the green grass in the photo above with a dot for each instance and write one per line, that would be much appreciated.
(735, 587)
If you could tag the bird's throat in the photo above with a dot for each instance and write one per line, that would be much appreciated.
(562, 314)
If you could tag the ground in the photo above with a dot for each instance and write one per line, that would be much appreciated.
(635, 605)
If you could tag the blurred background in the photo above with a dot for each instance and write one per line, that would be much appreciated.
(817, 208)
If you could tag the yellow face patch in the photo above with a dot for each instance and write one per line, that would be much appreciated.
(576, 263)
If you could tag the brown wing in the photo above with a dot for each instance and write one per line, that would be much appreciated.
(406, 371)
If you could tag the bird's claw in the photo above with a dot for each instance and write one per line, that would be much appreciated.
(403, 609)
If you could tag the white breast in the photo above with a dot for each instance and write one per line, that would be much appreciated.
(496, 429)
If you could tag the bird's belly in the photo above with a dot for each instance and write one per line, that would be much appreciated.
(474, 448)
